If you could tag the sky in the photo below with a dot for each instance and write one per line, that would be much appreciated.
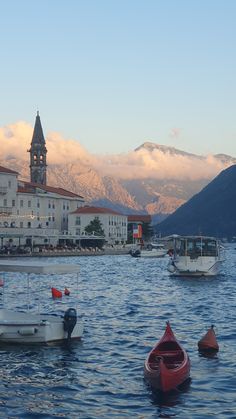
(113, 74)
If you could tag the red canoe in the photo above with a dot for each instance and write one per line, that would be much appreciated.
(208, 343)
(167, 365)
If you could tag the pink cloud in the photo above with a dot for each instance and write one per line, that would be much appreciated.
(15, 140)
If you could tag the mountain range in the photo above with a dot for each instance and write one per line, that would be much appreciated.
(159, 193)
(210, 212)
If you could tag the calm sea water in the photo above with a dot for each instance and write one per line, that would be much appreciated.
(125, 303)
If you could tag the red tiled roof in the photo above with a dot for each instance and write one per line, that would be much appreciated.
(142, 218)
(95, 210)
(5, 170)
(30, 187)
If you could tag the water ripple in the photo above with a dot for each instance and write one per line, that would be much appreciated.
(125, 303)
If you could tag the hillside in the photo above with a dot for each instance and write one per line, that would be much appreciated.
(210, 212)
(153, 179)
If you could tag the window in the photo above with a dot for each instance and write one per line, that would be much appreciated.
(38, 204)
(21, 203)
(29, 204)
(21, 224)
(78, 231)
(49, 204)
(77, 221)
(29, 224)
(9, 184)
(13, 203)
(5, 202)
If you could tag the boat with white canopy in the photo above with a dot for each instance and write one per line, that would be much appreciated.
(195, 256)
(26, 324)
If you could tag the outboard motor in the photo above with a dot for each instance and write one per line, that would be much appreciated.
(70, 319)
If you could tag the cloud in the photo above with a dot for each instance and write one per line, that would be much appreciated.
(15, 140)
(175, 133)
(62, 150)
(160, 165)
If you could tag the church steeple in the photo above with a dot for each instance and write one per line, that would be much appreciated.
(38, 151)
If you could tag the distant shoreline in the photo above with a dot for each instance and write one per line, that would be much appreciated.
(111, 251)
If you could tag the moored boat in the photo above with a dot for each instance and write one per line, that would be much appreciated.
(29, 325)
(152, 250)
(208, 342)
(167, 365)
(195, 256)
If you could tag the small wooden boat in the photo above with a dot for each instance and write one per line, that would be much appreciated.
(208, 343)
(167, 365)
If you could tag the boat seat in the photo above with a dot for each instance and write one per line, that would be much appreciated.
(172, 356)
(170, 353)
(154, 365)
(172, 366)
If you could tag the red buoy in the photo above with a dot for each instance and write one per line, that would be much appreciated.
(56, 293)
(66, 291)
(208, 343)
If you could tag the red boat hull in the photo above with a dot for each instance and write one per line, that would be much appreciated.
(167, 365)
(208, 343)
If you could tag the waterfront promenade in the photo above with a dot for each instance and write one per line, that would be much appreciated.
(116, 250)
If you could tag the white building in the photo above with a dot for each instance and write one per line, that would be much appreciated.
(113, 223)
(33, 212)
(8, 197)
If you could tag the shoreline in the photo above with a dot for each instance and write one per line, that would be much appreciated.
(49, 253)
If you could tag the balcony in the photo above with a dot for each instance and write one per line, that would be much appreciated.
(5, 210)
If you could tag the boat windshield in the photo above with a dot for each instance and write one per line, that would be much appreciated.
(195, 247)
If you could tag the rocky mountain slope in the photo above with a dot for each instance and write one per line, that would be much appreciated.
(156, 195)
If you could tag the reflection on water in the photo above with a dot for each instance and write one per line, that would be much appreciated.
(125, 303)
(165, 402)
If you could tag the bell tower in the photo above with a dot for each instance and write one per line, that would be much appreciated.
(38, 151)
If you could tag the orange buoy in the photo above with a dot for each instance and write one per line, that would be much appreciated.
(208, 343)
(56, 293)
(66, 291)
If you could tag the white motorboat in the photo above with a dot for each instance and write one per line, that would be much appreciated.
(153, 250)
(195, 256)
(31, 326)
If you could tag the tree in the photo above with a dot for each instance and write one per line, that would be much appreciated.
(147, 231)
(95, 227)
